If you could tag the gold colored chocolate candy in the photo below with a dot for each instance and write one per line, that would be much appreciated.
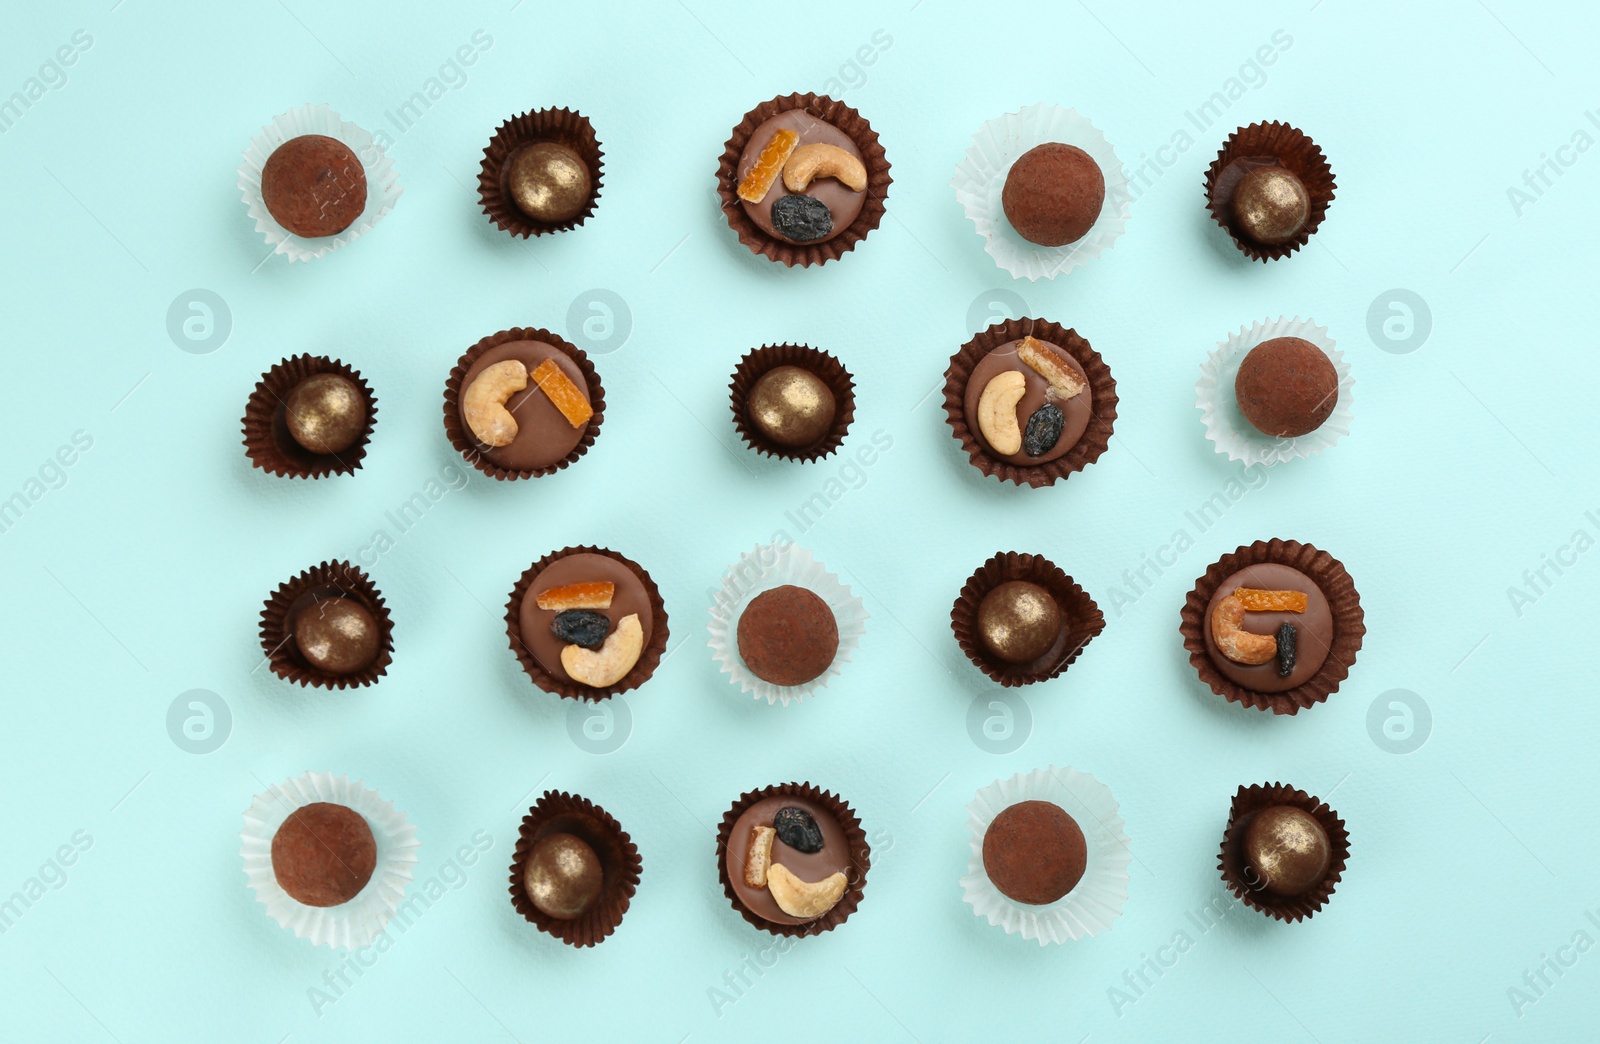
(792, 407)
(549, 182)
(1271, 205)
(562, 876)
(325, 413)
(1019, 621)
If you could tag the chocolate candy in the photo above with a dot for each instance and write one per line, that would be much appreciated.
(562, 876)
(803, 219)
(1043, 430)
(1287, 850)
(791, 406)
(337, 635)
(788, 635)
(842, 204)
(324, 854)
(549, 182)
(314, 186)
(584, 627)
(1019, 621)
(1314, 632)
(798, 829)
(1286, 387)
(1270, 205)
(325, 413)
(834, 855)
(1053, 194)
(1034, 852)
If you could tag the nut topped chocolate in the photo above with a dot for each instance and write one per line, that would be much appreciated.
(1269, 628)
(793, 859)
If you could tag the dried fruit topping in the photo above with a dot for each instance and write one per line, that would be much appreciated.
(583, 627)
(805, 899)
(757, 183)
(759, 858)
(609, 664)
(560, 390)
(997, 412)
(1258, 601)
(1236, 643)
(798, 830)
(1064, 384)
(591, 594)
(1286, 640)
(803, 219)
(811, 162)
(1044, 430)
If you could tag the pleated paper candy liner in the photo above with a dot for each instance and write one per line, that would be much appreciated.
(760, 361)
(620, 865)
(1096, 901)
(1344, 604)
(1243, 882)
(464, 441)
(1103, 415)
(981, 178)
(267, 441)
(1262, 145)
(648, 659)
(846, 119)
(349, 925)
(770, 566)
(328, 580)
(855, 836)
(1218, 402)
(383, 184)
(1081, 617)
(561, 126)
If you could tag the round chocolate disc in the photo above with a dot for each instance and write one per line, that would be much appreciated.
(544, 436)
(314, 186)
(1075, 411)
(844, 203)
(1313, 628)
(325, 413)
(535, 626)
(1270, 205)
(337, 635)
(834, 855)
(1034, 852)
(562, 876)
(324, 854)
(549, 182)
(1287, 850)
(1018, 621)
(791, 406)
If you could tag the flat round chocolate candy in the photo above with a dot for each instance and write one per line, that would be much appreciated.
(832, 857)
(1287, 850)
(1053, 194)
(1313, 628)
(336, 635)
(1019, 621)
(1075, 412)
(1270, 205)
(324, 854)
(843, 203)
(544, 436)
(314, 186)
(536, 626)
(1034, 852)
(791, 406)
(548, 182)
(563, 876)
(325, 413)
(788, 635)
(1286, 387)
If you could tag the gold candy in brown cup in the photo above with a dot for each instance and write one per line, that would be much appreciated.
(267, 440)
(759, 362)
(558, 812)
(873, 158)
(1344, 605)
(1243, 881)
(1267, 145)
(566, 688)
(309, 591)
(469, 447)
(860, 857)
(1102, 388)
(561, 126)
(1081, 618)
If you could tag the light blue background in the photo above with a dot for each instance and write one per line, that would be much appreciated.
(142, 576)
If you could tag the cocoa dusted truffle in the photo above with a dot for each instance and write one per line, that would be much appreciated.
(1287, 850)
(788, 636)
(792, 407)
(1271, 205)
(324, 854)
(1053, 194)
(563, 876)
(326, 413)
(314, 186)
(1019, 621)
(1034, 852)
(1287, 387)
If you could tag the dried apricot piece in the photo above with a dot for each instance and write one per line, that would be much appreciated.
(560, 390)
(1258, 601)
(757, 183)
(1064, 384)
(591, 594)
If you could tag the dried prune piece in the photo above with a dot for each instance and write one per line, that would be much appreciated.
(583, 627)
(1286, 635)
(1044, 430)
(798, 830)
(803, 219)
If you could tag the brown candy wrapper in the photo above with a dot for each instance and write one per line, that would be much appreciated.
(873, 158)
(560, 812)
(267, 441)
(648, 659)
(760, 361)
(1096, 437)
(567, 128)
(1344, 603)
(464, 441)
(860, 858)
(1268, 144)
(328, 580)
(1081, 617)
(1243, 883)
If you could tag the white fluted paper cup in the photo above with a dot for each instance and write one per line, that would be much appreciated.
(981, 176)
(766, 567)
(349, 925)
(383, 184)
(1228, 429)
(1097, 899)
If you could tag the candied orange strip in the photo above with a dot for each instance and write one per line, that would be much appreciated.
(1258, 601)
(591, 594)
(757, 183)
(560, 390)
(1064, 384)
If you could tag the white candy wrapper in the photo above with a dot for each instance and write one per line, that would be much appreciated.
(383, 184)
(762, 569)
(1097, 900)
(981, 175)
(358, 922)
(1227, 428)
